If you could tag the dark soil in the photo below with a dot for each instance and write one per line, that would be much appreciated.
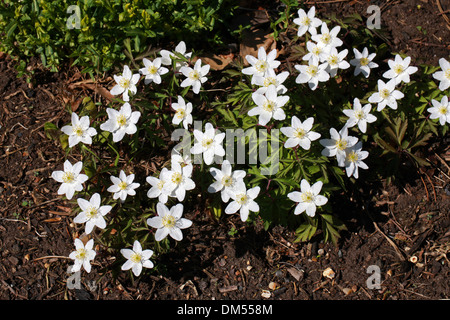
(398, 223)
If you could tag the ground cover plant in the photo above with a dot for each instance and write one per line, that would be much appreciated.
(310, 130)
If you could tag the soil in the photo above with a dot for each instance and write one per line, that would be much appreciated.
(403, 229)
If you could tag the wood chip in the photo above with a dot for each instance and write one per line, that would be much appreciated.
(228, 289)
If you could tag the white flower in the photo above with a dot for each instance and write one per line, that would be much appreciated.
(137, 258)
(243, 201)
(177, 157)
(300, 133)
(153, 71)
(327, 38)
(386, 95)
(159, 187)
(440, 110)
(194, 76)
(359, 115)
(312, 74)
(363, 62)
(169, 222)
(335, 60)
(71, 178)
(400, 69)
(259, 66)
(79, 130)
(268, 106)
(92, 213)
(270, 78)
(183, 112)
(353, 160)
(121, 122)
(208, 143)
(444, 75)
(337, 145)
(82, 255)
(178, 180)
(307, 22)
(125, 83)
(317, 53)
(308, 198)
(226, 180)
(167, 56)
(123, 186)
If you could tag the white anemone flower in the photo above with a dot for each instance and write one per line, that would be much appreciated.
(195, 76)
(137, 258)
(79, 130)
(271, 78)
(354, 160)
(312, 74)
(308, 198)
(335, 60)
(387, 95)
(178, 157)
(159, 187)
(121, 122)
(82, 255)
(153, 70)
(178, 180)
(126, 83)
(307, 22)
(400, 69)
(71, 179)
(440, 110)
(443, 75)
(268, 106)
(328, 38)
(338, 144)
(317, 53)
(183, 112)
(300, 133)
(260, 65)
(167, 56)
(226, 180)
(123, 186)
(243, 201)
(208, 143)
(169, 222)
(92, 213)
(363, 62)
(359, 115)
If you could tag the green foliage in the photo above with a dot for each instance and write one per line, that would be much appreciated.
(93, 36)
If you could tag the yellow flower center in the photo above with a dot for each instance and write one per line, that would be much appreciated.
(81, 254)
(169, 221)
(206, 143)
(261, 66)
(352, 156)
(160, 184)
(306, 21)
(91, 212)
(312, 71)
(78, 130)
(299, 133)
(180, 113)
(177, 178)
(68, 177)
(359, 114)
(152, 70)
(136, 257)
(364, 61)
(307, 196)
(227, 181)
(447, 73)
(269, 81)
(316, 50)
(333, 60)
(123, 185)
(325, 38)
(385, 93)
(121, 120)
(341, 144)
(269, 106)
(398, 69)
(124, 83)
(194, 75)
(241, 198)
(443, 110)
